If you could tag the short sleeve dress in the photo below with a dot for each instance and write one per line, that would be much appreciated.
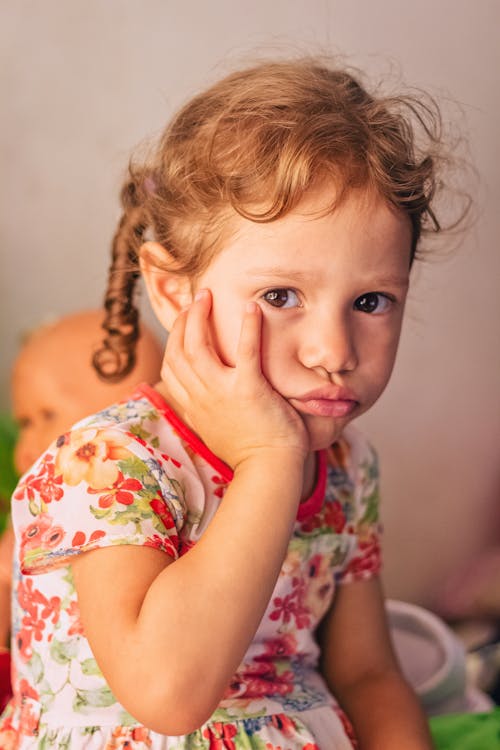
(135, 474)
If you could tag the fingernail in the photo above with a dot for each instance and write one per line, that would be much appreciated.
(251, 307)
(200, 294)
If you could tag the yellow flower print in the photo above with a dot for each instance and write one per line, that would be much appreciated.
(90, 455)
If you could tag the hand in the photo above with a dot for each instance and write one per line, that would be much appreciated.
(234, 410)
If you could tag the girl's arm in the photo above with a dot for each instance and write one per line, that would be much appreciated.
(361, 669)
(169, 636)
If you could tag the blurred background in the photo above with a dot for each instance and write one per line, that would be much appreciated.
(83, 83)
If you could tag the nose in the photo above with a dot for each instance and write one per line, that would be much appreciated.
(330, 345)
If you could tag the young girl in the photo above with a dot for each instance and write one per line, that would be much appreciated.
(200, 565)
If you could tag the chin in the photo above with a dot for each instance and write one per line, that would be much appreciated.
(322, 436)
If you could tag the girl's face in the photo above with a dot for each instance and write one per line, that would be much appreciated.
(332, 289)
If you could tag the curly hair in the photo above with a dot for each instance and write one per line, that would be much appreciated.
(254, 143)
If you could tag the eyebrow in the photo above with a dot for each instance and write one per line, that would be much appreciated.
(298, 275)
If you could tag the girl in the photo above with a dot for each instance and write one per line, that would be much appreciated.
(199, 565)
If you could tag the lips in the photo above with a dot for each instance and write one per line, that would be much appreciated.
(326, 402)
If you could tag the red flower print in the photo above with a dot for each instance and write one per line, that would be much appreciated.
(166, 457)
(222, 484)
(284, 724)
(348, 728)
(166, 544)
(335, 517)
(38, 609)
(368, 558)
(24, 638)
(220, 736)
(73, 612)
(312, 523)
(80, 538)
(162, 510)
(311, 746)
(47, 483)
(121, 491)
(122, 736)
(279, 648)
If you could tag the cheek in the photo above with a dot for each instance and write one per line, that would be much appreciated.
(277, 352)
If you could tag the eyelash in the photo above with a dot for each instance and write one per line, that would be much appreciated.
(282, 293)
(386, 298)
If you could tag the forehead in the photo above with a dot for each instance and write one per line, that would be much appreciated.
(361, 228)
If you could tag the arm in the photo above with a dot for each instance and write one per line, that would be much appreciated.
(175, 622)
(361, 669)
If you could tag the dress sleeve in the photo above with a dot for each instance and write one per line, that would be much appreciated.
(96, 487)
(363, 522)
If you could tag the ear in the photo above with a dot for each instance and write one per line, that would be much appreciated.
(169, 292)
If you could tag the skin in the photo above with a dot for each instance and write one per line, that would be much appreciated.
(236, 369)
(47, 399)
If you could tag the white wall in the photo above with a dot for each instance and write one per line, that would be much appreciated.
(83, 82)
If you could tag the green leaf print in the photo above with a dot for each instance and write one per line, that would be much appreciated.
(36, 666)
(63, 651)
(90, 667)
(88, 699)
(133, 467)
(140, 432)
(371, 513)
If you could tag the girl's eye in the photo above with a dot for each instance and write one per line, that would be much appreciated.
(373, 302)
(281, 298)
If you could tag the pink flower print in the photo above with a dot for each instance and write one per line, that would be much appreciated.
(259, 680)
(41, 534)
(291, 606)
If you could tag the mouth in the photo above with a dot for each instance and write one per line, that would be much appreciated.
(326, 402)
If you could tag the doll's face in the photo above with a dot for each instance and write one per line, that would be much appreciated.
(43, 410)
(54, 384)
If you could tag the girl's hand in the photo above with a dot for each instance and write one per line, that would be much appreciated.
(234, 410)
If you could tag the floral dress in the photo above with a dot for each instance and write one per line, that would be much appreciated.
(135, 474)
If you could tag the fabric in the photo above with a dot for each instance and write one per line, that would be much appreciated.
(135, 474)
(467, 731)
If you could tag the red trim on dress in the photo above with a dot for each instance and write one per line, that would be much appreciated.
(307, 508)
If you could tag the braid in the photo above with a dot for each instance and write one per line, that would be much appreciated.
(116, 357)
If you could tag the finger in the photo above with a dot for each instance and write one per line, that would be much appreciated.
(175, 363)
(248, 354)
(198, 341)
(196, 336)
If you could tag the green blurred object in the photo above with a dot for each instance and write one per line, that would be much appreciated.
(8, 475)
(467, 731)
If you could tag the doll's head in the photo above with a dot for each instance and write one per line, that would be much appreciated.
(54, 384)
(255, 145)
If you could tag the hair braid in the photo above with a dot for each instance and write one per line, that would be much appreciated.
(116, 357)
